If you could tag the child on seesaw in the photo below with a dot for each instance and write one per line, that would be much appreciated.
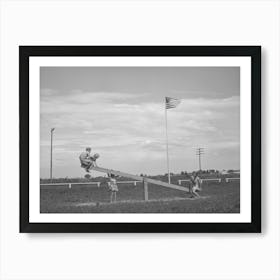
(87, 160)
(195, 186)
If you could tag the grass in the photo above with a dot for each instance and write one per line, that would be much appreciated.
(215, 198)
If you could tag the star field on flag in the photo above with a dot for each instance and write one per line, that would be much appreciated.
(171, 102)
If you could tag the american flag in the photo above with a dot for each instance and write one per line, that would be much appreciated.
(171, 102)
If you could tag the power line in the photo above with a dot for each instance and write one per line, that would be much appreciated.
(199, 152)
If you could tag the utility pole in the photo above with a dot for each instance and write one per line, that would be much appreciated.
(52, 130)
(199, 152)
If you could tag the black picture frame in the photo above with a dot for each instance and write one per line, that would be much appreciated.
(25, 52)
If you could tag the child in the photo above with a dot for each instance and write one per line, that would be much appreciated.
(94, 158)
(113, 188)
(195, 185)
(87, 160)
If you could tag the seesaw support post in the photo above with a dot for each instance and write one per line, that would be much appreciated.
(145, 186)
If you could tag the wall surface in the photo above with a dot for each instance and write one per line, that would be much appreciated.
(138, 256)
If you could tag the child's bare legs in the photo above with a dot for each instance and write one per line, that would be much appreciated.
(193, 193)
(113, 197)
(196, 194)
(92, 164)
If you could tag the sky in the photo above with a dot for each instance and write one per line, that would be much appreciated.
(120, 113)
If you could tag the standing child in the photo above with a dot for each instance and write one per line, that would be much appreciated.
(113, 188)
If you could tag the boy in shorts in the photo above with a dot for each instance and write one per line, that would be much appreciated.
(113, 188)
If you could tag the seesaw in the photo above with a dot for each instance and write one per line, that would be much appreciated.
(144, 179)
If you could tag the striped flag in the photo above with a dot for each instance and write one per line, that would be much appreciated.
(171, 102)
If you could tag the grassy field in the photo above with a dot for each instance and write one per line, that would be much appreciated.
(215, 198)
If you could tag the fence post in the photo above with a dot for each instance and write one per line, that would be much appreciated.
(98, 184)
(135, 183)
(179, 181)
(70, 185)
(145, 184)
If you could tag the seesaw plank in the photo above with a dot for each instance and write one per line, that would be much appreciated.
(140, 178)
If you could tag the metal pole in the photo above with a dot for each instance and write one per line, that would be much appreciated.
(199, 161)
(167, 154)
(199, 153)
(51, 152)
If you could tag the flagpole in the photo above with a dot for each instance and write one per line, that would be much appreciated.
(167, 154)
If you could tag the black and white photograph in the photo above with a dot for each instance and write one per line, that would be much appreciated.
(142, 136)
(139, 139)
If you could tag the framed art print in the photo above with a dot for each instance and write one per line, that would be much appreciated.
(140, 138)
